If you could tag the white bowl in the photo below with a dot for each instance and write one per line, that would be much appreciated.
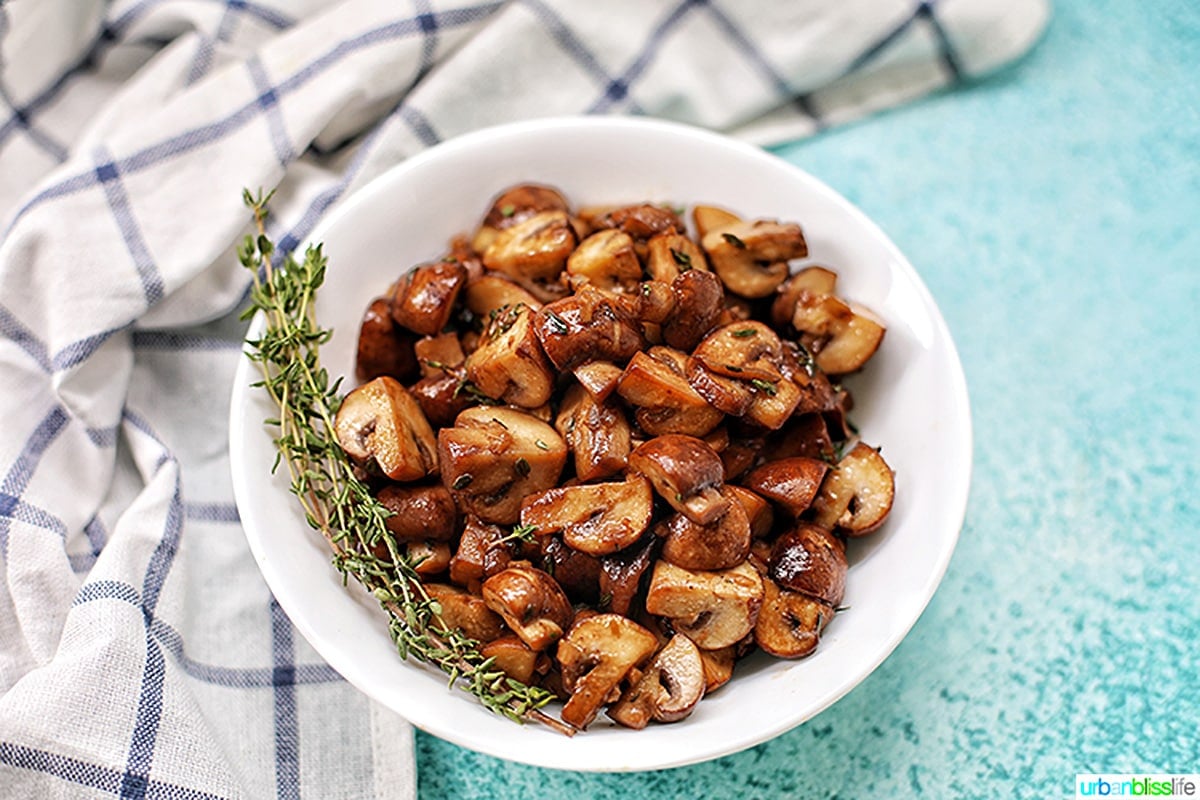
(911, 400)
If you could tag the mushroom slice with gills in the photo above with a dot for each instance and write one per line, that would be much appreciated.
(441, 398)
(599, 378)
(534, 251)
(491, 292)
(439, 354)
(686, 473)
(531, 603)
(513, 657)
(751, 258)
(654, 383)
(605, 260)
(744, 350)
(810, 560)
(587, 326)
(790, 482)
(857, 494)
(790, 623)
(482, 552)
(419, 512)
(428, 557)
(728, 395)
(380, 424)
(425, 297)
(721, 544)
(718, 667)
(621, 575)
(699, 302)
(383, 347)
(595, 656)
(514, 205)
(842, 336)
(758, 511)
(709, 218)
(509, 364)
(594, 518)
(817, 280)
(597, 433)
(459, 609)
(493, 457)
(668, 690)
(669, 255)
(714, 609)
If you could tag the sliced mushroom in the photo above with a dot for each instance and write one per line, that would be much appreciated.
(810, 560)
(773, 403)
(596, 655)
(607, 261)
(419, 512)
(425, 297)
(599, 378)
(843, 336)
(494, 457)
(857, 494)
(490, 292)
(721, 544)
(752, 257)
(621, 575)
(531, 603)
(728, 395)
(594, 518)
(758, 511)
(642, 222)
(466, 612)
(744, 350)
(380, 424)
(653, 303)
(509, 364)
(686, 473)
(590, 325)
(383, 348)
(790, 623)
(513, 657)
(438, 354)
(817, 280)
(669, 255)
(481, 553)
(597, 433)
(655, 383)
(668, 690)
(714, 609)
(428, 557)
(718, 667)
(699, 301)
(709, 218)
(790, 482)
(534, 251)
(516, 204)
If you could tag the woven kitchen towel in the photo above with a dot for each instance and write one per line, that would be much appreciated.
(141, 655)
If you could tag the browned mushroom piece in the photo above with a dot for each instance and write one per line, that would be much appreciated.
(773, 403)
(441, 398)
(621, 576)
(594, 518)
(709, 218)
(810, 560)
(744, 350)
(740, 456)
(439, 354)
(428, 557)
(513, 657)
(668, 690)
(790, 623)
(718, 667)
(533, 252)
(595, 656)
(758, 510)
(605, 260)
(577, 573)
(669, 255)
(804, 435)
(642, 222)
(379, 424)
(655, 383)
(857, 494)
(419, 512)
(516, 204)
(790, 482)
(699, 301)
(599, 378)
(728, 395)
(383, 348)
(714, 609)
(686, 473)
(751, 257)
(491, 292)
(531, 603)
(493, 457)
(425, 297)
(509, 364)
(843, 336)
(721, 544)
(817, 280)
(481, 553)
(587, 326)
(597, 433)
(459, 609)
(652, 303)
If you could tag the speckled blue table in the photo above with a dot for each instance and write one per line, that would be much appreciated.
(1054, 212)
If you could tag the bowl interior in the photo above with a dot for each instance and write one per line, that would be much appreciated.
(911, 400)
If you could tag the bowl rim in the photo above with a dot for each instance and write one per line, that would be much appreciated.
(955, 512)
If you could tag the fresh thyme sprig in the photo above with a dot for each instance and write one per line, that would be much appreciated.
(335, 501)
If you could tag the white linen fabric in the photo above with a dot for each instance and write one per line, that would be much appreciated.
(141, 654)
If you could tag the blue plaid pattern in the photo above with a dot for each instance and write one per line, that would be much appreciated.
(129, 590)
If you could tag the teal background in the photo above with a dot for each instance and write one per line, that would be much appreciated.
(1053, 211)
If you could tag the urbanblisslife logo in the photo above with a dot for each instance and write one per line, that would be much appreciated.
(1136, 785)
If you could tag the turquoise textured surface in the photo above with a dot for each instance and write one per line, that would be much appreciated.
(1054, 212)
